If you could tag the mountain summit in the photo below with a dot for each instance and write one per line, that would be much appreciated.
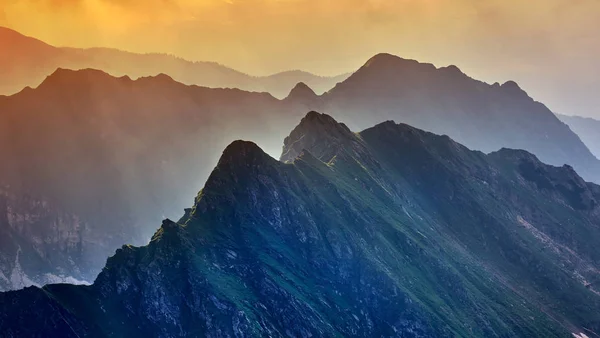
(318, 132)
(403, 233)
(447, 101)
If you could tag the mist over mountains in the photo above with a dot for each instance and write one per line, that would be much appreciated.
(586, 128)
(461, 208)
(25, 62)
(391, 231)
(446, 101)
(119, 154)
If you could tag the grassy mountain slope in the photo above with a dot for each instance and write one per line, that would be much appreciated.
(393, 231)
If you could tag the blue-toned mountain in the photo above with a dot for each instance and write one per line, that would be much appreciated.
(392, 231)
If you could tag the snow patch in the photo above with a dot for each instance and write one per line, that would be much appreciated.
(55, 279)
(4, 278)
(580, 335)
(18, 277)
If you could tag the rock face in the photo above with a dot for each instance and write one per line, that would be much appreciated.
(390, 232)
(43, 245)
(318, 132)
(587, 128)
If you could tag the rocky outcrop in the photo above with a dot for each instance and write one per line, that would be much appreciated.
(41, 244)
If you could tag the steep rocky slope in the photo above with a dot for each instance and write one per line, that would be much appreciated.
(390, 232)
(42, 244)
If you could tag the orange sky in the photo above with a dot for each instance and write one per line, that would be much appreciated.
(539, 43)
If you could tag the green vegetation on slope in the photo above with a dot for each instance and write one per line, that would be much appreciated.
(389, 232)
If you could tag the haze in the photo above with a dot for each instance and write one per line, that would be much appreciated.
(550, 47)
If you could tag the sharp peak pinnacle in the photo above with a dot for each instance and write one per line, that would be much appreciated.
(240, 151)
(314, 130)
(313, 118)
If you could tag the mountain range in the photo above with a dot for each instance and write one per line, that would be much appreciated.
(26, 61)
(587, 128)
(447, 101)
(392, 231)
(117, 154)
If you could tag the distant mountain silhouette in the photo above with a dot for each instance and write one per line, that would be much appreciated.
(446, 101)
(117, 154)
(588, 130)
(26, 61)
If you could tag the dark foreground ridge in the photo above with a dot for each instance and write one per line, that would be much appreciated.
(389, 232)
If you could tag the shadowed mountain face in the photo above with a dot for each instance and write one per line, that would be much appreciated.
(117, 155)
(42, 244)
(446, 101)
(26, 62)
(587, 128)
(390, 232)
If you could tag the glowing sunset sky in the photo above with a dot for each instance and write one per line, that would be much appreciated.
(551, 47)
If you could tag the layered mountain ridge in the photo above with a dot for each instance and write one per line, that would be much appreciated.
(392, 231)
(587, 128)
(27, 61)
(446, 101)
(115, 151)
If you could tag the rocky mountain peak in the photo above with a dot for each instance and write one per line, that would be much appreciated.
(511, 87)
(319, 133)
(242, 151)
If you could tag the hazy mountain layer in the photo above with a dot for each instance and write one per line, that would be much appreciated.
(446, 101)
(390, 232)
(120, 154)
(42, 244)
(117, 154)
(26, 62)
(587, 128)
